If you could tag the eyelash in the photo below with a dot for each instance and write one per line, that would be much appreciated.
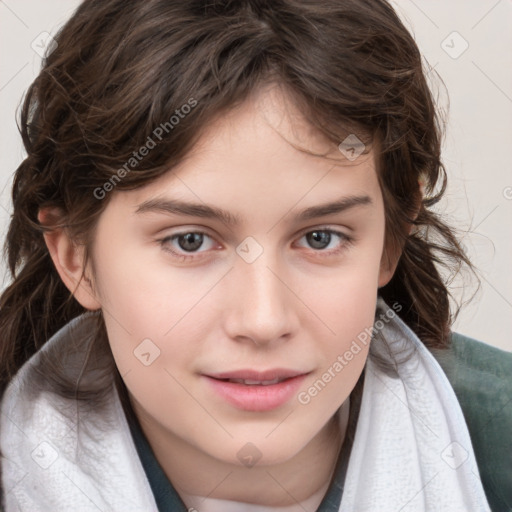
(346, 242)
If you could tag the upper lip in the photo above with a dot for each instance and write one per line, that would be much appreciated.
(264, 375)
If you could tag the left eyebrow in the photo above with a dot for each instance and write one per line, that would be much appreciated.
(173, 206)
(341, 205)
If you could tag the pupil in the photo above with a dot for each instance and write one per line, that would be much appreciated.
(192, 241)
(319, 239)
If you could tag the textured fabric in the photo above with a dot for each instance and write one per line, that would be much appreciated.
(50, 463)
(412, 450)
(56, 459)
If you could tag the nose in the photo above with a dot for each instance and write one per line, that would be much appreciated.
(262, 307)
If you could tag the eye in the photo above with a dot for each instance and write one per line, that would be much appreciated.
(186, 245)
(328, 240)
(188, 242)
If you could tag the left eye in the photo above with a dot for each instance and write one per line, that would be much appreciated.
(322, 238)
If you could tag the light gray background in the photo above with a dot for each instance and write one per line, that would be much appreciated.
(477, 147)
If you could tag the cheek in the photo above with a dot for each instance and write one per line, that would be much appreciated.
(345, 298)
(345, 303)
(158, 351)
(351, 318)
(140, 305)
(157, 319)
(144, 323)
(142, 291)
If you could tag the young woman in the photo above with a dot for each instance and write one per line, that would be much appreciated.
(229, 283)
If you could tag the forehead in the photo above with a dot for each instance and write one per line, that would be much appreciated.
(262, 153)
(271, 112)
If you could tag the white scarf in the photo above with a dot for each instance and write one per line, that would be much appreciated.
(411, 452)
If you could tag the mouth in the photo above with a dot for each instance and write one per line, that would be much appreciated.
(252, 382)
(252, 390)
(252, 377)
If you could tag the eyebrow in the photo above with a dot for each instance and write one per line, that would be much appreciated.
(174, 206)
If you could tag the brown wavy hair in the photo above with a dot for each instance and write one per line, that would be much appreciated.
(122, 68)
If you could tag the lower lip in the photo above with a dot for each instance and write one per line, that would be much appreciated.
(257, 398)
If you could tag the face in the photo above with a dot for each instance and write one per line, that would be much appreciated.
(279, 285)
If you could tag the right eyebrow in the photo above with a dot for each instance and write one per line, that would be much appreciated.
(174, 206)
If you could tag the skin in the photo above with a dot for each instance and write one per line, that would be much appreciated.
(295, 306)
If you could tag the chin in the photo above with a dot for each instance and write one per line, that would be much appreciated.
(255, 450)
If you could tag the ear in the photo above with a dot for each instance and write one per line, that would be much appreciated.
(392, 252)
(388, 264)
(68, 258)
(391, 256)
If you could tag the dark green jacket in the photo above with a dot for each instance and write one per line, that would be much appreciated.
(481, 376)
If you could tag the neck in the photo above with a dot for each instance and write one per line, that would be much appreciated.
(205, 483)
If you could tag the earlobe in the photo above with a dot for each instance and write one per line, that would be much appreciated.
(68, 258)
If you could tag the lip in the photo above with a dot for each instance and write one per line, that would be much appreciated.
(251, 374)
(257, 397)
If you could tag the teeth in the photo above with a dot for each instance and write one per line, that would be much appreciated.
(249, 382)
